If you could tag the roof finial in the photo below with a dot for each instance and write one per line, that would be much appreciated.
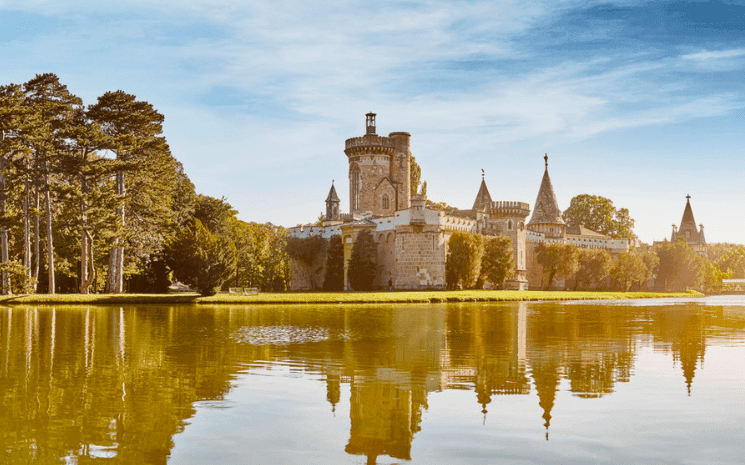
(545, 158)
(482, 173)
(332, 182)
(688, 198)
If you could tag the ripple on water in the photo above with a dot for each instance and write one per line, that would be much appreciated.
(278, 335)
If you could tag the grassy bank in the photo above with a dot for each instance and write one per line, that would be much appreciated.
(332, 298)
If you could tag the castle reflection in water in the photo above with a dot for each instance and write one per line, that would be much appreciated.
(85, 383)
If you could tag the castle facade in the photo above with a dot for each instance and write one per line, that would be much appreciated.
(413, 239)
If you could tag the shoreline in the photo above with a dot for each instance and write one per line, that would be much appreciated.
(291, 298)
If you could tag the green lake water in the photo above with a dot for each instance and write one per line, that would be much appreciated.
(651, 381)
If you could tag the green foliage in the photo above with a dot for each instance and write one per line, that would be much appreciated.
(599, 214)
(415, 175)
(305, 250)
(202, 259)
(680, 267)
(593, 266)
(463, 265)
(442, 206)
(215, 214)
(497, 264)
(732, 263)
(558, 260)
(630, 268)
(363, 263)
(716, 250)
(20, 280)
(334, 279)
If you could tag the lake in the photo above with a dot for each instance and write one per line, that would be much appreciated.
(648, 381)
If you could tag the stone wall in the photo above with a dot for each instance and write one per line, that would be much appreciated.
(420, 255)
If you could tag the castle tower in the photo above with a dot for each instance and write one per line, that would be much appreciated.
(378, 171)
(332, 205)
(547, 217)
(694, 237)
(483, 199)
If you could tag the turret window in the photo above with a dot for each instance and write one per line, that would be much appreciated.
(354, 185)
(385, 203)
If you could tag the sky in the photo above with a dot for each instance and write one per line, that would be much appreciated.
(641, 102)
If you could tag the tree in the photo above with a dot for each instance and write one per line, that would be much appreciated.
(202, 259)
(497, 263)
(629, 268)
(599, 214)
(593, 266)
(463, 265)
(733, 263)
(558, 260)
(54, 105)
(333, 281)
(415, 175)
(680, 267)
(362, 267)
(17, 276)
(132, 128)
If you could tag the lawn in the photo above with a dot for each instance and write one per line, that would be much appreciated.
(334, 297)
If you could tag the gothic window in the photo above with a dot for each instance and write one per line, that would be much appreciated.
(385, 203)
(354, 185)
(509, 225)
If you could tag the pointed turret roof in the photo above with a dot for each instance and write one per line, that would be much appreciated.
(483, 199)
(546, 208)
(332, 194)
(688, 224)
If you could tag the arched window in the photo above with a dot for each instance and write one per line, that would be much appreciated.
(509, 225)
(354, 186)
(385, 203)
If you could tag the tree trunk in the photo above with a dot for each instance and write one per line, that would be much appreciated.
(27, 229)
(115, 278)
(87, 275)
(50, 239)
(37, 240)
(6, 290)
(119, 276)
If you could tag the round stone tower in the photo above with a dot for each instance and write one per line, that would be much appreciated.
(378, 171)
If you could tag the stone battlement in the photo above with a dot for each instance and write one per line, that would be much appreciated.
(373, 142)
(512, 205)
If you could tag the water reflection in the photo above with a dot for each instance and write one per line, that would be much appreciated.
(85, 383)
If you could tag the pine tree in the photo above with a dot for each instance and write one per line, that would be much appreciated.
(132, 128)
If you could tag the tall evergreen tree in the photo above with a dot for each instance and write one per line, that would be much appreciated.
(363, 262)
(333, 281)
(132, 128)
(54, 105)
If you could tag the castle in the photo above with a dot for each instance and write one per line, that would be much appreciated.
(412, 239)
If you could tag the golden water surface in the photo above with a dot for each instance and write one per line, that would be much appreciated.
(641, 382)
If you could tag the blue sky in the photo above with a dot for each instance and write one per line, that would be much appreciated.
(641, 102)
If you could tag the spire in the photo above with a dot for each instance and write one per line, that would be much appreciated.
(332, 204)
(688, 228)
(546, 207)
(483, 199)
(332, 194)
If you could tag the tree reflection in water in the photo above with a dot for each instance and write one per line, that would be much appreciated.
(80, 384)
